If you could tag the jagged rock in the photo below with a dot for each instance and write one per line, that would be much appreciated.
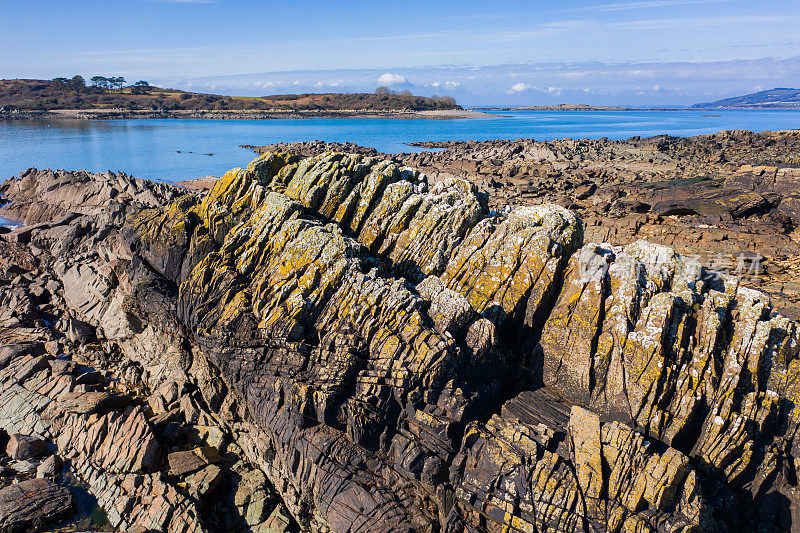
(204, 481)
(50, 467)
(278, 522)
(24, 468)
(587, 456)
(210, 435)
(34, 200)
(181, 463)
(286, 292)
(702, 185)
(449, 310)
(32, 505)
(12, 351)
(529, 486)
(508, 269)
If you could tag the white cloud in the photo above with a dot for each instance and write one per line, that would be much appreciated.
(322, 84)
(390, 80)
(520, 88)
(449, 85)
(622, 6)
(523, 87)
(658, 88)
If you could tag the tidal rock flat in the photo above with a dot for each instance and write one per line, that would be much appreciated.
(335, 342)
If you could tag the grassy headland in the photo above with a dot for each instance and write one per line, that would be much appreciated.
(108, 97)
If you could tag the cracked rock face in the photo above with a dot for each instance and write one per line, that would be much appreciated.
(396, 356)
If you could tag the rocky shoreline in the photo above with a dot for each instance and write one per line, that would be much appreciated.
(136, 431)
(120, 114)
(341, 342)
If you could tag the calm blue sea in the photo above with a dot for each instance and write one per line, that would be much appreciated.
(173, 150)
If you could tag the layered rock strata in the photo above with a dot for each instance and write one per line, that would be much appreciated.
(730, 198)
(394, 355)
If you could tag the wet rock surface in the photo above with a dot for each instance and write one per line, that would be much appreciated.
(338, 343)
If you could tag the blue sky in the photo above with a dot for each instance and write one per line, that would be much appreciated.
(640, 52)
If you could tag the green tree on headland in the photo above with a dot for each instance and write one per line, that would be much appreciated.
(60, 83)
(76, 83)
(100, 82)
(140, 87)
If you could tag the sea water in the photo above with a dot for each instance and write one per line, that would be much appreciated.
(174, 150)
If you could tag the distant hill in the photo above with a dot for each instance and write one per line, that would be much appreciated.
(62, 93)
(780, 98)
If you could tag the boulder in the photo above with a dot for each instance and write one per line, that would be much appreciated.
(181, 463)
(32, 505)
(24, 447)
(584, 191)
(87, 403)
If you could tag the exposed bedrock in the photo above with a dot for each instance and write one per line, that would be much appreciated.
(731, 198)
(395, 356)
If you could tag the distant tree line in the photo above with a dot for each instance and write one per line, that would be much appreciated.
(108, 83)
(102, 83)
(444, 101)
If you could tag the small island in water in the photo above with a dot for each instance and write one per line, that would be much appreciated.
(111, 97)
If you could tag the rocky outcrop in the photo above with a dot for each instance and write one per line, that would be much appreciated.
(730, 198)
(46, 196)
(348, 359)
(393, 354)
(67, 389)
(112, 447)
